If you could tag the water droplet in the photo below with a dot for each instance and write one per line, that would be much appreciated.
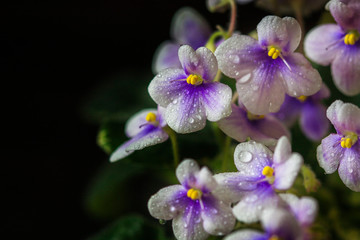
(214, 211)
(191, 120)
(332, 154)
(175, 101)
(172, 209)
(245, 78)
(351, 170)
(245, 156)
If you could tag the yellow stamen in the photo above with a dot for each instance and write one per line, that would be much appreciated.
(273, 52)
(274, 237)
(194, 79)
(194, 194)
(349, 140)
(302, 98)
(151, 117)
(268, 171)
(351, 37)
(251, 116)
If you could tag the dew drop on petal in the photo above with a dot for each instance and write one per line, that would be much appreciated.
(191, 120)
(245, 78)
(245, 156)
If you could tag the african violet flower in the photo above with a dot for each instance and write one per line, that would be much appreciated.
(242, 124)
(187, 27)
(339, 45)
(195, 209)
(190, 95)
(260, 173)
(304, 209)
(342, 150)
(278, 224)
(145, 129)
(310, 110)
(267, 69)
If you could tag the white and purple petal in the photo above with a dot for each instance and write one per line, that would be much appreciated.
(346, 13)
(136, 123)
(166, 56)
(349, 168)
(329, 153)
(289, 111)
(282, 150)
(246, 235)
(313, 121)
(344, 116)
(186, 172)
(205, 181)
(286, 172)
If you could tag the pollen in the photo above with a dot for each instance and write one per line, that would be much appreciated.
(251, 116)
(351, 38)
(194, 194)
(302, 98)
(268, 171)
(273, 52)
(349, 140)
(151, 117)
(274, 237)
(194, 79)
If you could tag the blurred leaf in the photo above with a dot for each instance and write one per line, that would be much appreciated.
(110, 136)
(311, 183)
(130, 228)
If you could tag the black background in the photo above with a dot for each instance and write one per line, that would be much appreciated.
(52, 53)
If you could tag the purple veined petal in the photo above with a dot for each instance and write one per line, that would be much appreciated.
(187, 113)
(282, 150)
(189, 225)
(281, 32)
(201, 62)
(250, 159)
(345, 69)
(217, 217)
(189, 27)
(323, 93)
(166, 87)
(216, 99)
(152, 137)
(186, 172)
(345, 13)
(205, 180)
(289, 111)
(305, 208)
(313, 121)
(246, 235)
(239, 127)
(160, 116)
(344, 116)
(250, 207)
(302, 79)
(322, 43)
(349, 168)
(235, 55)
(280, 222)
(134, 124)
(168, 202)
(233, 186)
(329, 153)
(166, 56)
(286, 172)
(121, 151)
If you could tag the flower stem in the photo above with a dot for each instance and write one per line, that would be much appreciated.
(232, 18)
(174, 144)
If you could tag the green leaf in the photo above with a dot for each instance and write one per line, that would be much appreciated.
(131, 227)
(311, 183)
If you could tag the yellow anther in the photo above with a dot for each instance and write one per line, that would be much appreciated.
(268, 171)
(302, 98)
(346, 143)
(251, 116)
(274, 237)
(194, 194)
(351, 38)
(194, 79)
(274, 52)
(151, 117)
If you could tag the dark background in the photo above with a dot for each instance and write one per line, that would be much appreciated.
(52, 54)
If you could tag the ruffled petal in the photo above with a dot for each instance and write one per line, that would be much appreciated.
(205, 180)
(246, 235)
(281, 223)
(121, 151)
(349, 169)
(189, 27)
(216, 98)
(345, 13)
(344, 116)
(329, 153)
(249, 209)
(281, 32)
(188, 226)
(135, 123)
(168, 202)
(322, 43)
(186, 114)
(282, 150)
(166, 56)
(167, 86)
(250, 158)
(302, 79)
(239, 127)
(236, 56)
(217, 217)
(201, 62)
(286, 172)
(323, 93)
(313, 121)
(345, 69)
(186, 171)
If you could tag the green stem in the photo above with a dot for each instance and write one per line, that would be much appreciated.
(232, 18)
(174, 144)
